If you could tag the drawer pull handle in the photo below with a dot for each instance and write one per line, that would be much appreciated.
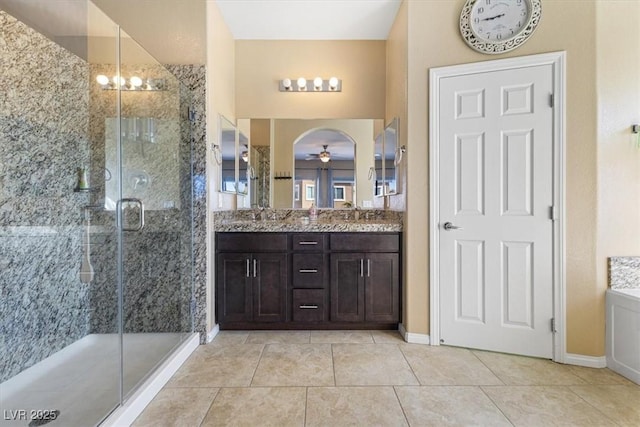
(309, 270)
(309, 307)
(307, 243)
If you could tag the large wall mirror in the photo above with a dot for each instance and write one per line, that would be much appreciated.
(279, 165)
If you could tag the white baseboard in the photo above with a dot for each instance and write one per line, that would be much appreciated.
(126, 414)
(212, 334)
(410, 337)
(586, 361)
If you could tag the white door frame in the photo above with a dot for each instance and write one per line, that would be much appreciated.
(558, 62)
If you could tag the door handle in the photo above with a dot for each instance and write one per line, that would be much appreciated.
(308, 270)
(141, 217)
(248, 267)
(255, 264)
(368, 267)
(448, 226)
(362, 268)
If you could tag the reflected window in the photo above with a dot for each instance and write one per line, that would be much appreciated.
(310, 192)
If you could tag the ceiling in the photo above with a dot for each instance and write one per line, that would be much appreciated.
(174, 31)
(309, 19)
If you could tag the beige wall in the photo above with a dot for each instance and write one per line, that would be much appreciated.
(618, 94)
(568, 26)
(220, 101)
(260, 64)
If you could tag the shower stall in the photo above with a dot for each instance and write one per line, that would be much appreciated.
(96, 215)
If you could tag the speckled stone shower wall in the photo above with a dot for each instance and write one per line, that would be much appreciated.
(43, 139)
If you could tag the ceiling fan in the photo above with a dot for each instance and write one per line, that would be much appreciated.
(324, 156)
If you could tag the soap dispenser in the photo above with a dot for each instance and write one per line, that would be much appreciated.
(313, 212)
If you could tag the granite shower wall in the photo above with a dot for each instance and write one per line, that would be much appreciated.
(43, 139)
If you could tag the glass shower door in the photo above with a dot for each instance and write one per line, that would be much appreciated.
(154, 213)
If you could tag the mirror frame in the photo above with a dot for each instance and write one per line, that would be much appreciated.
(391, 127)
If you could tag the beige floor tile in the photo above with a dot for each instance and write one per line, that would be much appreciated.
(387, 337)
(599, 375)
(520, 370)
(621, 403)
(353, 406)
(230, 337)
(332, 337)
(449, 406)
(219, 366)
(278, 337)
(371, 364)
(447, 366)
(258, 406)
(177, 407)
(295, 365)
(545, 406)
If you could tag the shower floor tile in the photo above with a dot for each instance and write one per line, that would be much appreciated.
(82, 380)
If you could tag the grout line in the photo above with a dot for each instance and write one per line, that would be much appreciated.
(333, 367)
(495, 404)
(264, 347)
(400, 403)
(410, 367)
(487, 366)
(589, 403)
(211, 405)
(306, 404)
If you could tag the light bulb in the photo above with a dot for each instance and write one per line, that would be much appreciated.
(302, 83)
(135, 81)
(102, 79)
(333, 83)
(286, 84)
(317, 83)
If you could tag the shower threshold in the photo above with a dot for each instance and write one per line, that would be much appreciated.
(81, 381)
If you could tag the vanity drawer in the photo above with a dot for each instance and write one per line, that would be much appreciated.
(251, 242)
(308, 242)
(309, 270)
(308, 305)
(365, 242)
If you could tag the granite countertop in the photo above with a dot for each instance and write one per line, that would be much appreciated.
(334, 226)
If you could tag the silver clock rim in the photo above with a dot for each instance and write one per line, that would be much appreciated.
(497, 47)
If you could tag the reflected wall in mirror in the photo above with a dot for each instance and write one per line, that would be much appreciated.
(243, 164)
(227, 138)
(386, 159)
(324, 170)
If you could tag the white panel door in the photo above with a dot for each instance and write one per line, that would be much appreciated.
(496, 185)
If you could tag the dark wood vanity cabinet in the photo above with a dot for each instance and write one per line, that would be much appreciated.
(251, 284)
(365, 286)
(308, 280)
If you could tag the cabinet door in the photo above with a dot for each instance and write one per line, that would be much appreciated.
(347, 287)
(382, 287)
(234, 287)
(269, 287)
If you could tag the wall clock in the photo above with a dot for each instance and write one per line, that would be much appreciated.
(498, 26)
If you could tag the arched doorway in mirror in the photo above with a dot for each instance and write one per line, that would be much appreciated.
(324, 169)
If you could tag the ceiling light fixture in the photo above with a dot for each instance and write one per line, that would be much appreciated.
(317, 84)
(324, 155)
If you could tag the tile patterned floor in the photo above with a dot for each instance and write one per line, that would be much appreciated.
(373, 378)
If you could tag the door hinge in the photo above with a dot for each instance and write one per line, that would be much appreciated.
(551, 100)
(553, 213)
(553, 325)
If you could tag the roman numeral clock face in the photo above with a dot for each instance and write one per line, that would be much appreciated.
(498, 26)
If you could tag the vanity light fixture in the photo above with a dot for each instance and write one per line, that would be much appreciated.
(134, 83)
(317, 84)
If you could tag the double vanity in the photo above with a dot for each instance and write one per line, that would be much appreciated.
(329, 274)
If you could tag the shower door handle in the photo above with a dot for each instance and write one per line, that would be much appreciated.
(138, 202)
